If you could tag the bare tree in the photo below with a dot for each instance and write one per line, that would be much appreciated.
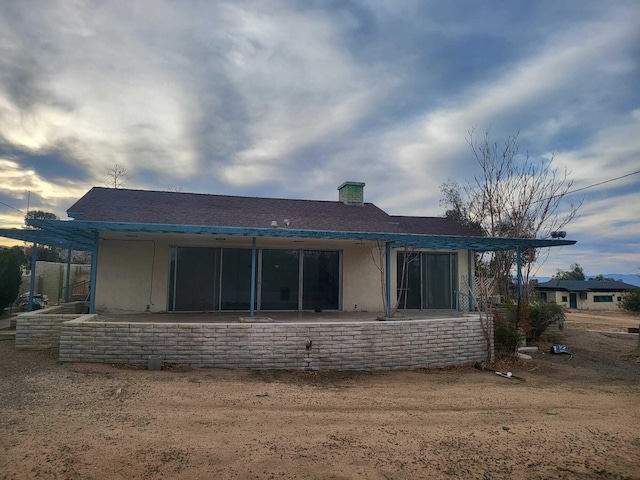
(378, 257)
(174, 188)
(512, 196)
(115, 176)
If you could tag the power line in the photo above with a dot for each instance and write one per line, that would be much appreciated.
(601, 183)
(13, 208)
(569, 192)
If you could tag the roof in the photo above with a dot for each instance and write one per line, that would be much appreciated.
(144, 206)
(129, 211)
(432, 226)
(586, 285)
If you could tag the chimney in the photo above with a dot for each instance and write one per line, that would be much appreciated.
(351, 193)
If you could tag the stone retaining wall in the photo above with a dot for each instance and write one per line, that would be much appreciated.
(41, 329)
(406, 344)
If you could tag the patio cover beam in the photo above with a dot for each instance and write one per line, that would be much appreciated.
(44, 237)
(80, 229)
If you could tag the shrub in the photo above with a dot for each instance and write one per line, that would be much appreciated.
(506, 334)
(542, 315)
(10, 275)
(631, 301)
(510, 329)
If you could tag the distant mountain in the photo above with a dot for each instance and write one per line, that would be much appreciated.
(630, 279)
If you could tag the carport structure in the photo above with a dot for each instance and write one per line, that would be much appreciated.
(86, 235)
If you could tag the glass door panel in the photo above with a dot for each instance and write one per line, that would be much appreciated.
(439, 276)
(409, 294)
(195, 275)
(321, 280)
(236, 279)
(280, 279)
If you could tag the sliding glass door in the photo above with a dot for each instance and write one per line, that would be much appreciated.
(430, 280)
(280, 279)
(321, 280)
(194, 279)
(211, 279)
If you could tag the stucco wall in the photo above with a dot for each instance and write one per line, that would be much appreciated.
(51, 278)
(134, 273)
(360, 280)
(334, 346)
(131, 275)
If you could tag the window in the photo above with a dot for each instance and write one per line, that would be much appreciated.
(543, 296)
(603, 298)
(619, 299)
(564, 298)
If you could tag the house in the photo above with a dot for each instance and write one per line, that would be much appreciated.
(584, 294)
(177, 253)
(180, 252)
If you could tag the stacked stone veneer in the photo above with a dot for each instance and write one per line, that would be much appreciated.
(42, 330)
(334, 346)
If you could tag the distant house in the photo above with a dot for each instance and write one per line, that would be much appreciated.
(584, 294)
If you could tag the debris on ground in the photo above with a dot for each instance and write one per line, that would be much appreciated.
(559, 349)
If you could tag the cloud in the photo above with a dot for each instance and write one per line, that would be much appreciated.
(290, 100)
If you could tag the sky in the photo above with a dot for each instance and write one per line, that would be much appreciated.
(290, 99)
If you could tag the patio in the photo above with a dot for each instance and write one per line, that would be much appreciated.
(271, 317)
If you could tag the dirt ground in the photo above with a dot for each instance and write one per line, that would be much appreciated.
(571, 417)
(608, 321)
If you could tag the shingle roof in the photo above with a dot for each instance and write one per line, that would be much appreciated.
(585, 285)
(143, 206)
(433, 226)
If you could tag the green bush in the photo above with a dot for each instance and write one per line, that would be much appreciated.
(10, 275)
(631, 301)
(541, 315)
(506, 334)
(510, 329)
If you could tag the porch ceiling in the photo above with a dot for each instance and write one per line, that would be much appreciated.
(81, 235)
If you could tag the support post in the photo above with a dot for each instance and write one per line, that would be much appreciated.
(470, 279)
(387, 274)
(94, 274)
(68, 281)
(519, 264)
(253, 277)
(32, 286)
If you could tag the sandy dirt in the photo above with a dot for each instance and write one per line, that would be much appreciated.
(607, 321)
(571, 417)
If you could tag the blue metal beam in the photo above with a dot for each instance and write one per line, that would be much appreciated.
(519, 266)
(470, 278)
(32, 286)
(387, 279)
(253, 276)
(68, 280)
(94, 275)
(43, 237)
(73, 228)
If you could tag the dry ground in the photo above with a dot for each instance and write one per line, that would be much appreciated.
(608, 321)
(571, 418)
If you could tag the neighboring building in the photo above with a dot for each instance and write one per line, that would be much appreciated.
(179, 252)
(584, 294)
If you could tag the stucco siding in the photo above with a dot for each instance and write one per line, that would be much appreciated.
(361, 280)
(134, 274)
(125, 275)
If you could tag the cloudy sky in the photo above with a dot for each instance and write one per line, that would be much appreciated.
(290, 99)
